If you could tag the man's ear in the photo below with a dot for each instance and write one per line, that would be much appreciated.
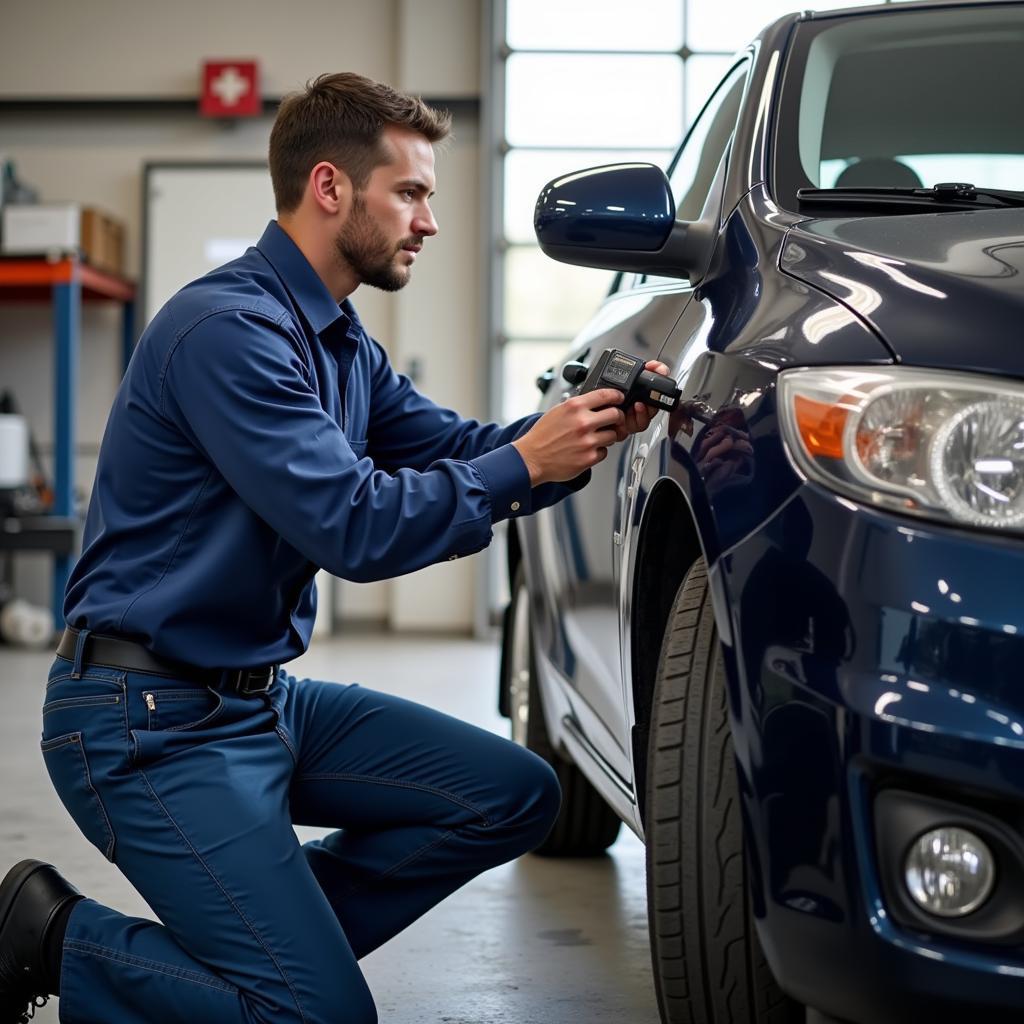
(331, 188)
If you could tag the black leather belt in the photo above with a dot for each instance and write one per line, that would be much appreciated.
(116, 652)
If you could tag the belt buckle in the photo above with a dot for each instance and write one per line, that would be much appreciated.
(252, 681)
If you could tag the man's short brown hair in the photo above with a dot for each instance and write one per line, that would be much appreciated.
(341, 118)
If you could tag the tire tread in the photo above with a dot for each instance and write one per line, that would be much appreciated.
(708, 964)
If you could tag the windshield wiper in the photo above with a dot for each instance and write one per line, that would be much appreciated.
(956, 195)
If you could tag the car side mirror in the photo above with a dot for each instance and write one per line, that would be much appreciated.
(620, 217)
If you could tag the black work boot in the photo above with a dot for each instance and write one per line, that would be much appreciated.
(33, 896)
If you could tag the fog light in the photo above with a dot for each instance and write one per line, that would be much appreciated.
(949, 872)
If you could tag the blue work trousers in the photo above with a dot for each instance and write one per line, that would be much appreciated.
(192, 792)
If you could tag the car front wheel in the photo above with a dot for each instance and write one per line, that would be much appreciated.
(586, 825)
(708, 964)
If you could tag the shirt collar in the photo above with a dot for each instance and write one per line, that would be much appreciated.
(302, 281)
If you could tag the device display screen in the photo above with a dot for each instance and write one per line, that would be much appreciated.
(618, 370)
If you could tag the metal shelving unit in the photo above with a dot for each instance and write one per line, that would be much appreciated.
(65, 283)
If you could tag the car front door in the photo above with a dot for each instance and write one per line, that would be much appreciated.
(580, 539)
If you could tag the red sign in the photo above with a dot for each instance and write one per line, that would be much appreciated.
(231, 88)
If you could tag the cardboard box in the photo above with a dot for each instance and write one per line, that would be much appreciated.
(102, 241)
(47, 229)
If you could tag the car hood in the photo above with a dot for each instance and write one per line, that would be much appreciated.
(940, 289)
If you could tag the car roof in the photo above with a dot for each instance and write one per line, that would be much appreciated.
(918, 5)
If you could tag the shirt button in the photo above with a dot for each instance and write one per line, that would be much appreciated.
(451, 558)
(515, 506)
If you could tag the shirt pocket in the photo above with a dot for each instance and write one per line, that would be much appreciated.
(68, 767)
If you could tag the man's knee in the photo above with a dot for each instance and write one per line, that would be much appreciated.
(535, 801)
(335, 1012)
(344, 1003)
(338, 999)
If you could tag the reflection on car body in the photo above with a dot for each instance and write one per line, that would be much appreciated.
(779, 634)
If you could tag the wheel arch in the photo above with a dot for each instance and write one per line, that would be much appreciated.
(513, 550)
(668, 544)
(514, 555)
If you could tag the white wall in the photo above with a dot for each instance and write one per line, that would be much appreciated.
(124, 49)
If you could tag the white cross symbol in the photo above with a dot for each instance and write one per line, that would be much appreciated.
(230, 86)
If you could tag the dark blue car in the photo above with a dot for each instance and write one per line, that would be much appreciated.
(781, 633)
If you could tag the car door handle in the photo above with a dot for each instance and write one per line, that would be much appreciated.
(636, 470)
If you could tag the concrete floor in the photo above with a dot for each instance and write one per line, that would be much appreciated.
(533, 942)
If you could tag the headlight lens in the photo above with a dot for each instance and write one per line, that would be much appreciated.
(944, 445)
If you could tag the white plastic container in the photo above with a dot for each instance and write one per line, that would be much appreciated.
(13, 452)
(41, 228)
(25, 625)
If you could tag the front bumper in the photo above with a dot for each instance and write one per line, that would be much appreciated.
(872, 652)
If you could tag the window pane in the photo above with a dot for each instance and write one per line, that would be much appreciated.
(695, 170)
(522, 363)
(692, 176)
(964, 68)
(729, 24)
(528, 171)
(544, 298)
(986, 170)
(702, 75)
(592, 100)
(594, 25)
(991, 170)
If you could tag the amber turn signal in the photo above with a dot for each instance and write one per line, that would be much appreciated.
(821, 426)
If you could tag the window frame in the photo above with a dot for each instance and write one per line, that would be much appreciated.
(648, 282)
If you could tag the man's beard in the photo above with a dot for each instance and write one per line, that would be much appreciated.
(365, 248)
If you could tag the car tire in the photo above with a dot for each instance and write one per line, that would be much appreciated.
(586, 826)
(708, 964)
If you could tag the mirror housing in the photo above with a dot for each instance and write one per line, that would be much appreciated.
(620, 217)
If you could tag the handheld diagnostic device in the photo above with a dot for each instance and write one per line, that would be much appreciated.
(628, 374)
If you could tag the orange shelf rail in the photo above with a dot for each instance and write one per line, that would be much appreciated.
(32, 279)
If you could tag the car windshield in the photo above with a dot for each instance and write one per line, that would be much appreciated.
(904, 99)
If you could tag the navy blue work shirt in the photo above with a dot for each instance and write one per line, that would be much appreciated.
(259, 434)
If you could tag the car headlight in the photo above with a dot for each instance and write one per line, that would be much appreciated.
(944, 445)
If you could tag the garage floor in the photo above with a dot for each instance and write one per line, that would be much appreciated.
(533, 942)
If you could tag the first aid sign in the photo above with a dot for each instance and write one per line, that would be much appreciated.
(231, 88)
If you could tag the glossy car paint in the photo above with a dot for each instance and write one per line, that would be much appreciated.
(941, 287)
(573, 209)
(864, 651)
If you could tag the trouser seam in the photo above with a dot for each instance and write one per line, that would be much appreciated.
(404, 862)
(400, 783)
(220, 885)
(92, 949)
(288, 743)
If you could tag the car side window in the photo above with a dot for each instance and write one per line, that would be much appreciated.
(692, 172)
(694, 168)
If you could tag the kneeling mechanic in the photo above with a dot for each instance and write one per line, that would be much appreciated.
(259, 434)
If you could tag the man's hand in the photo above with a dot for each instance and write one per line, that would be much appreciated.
(573, 436)
(638, 419)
